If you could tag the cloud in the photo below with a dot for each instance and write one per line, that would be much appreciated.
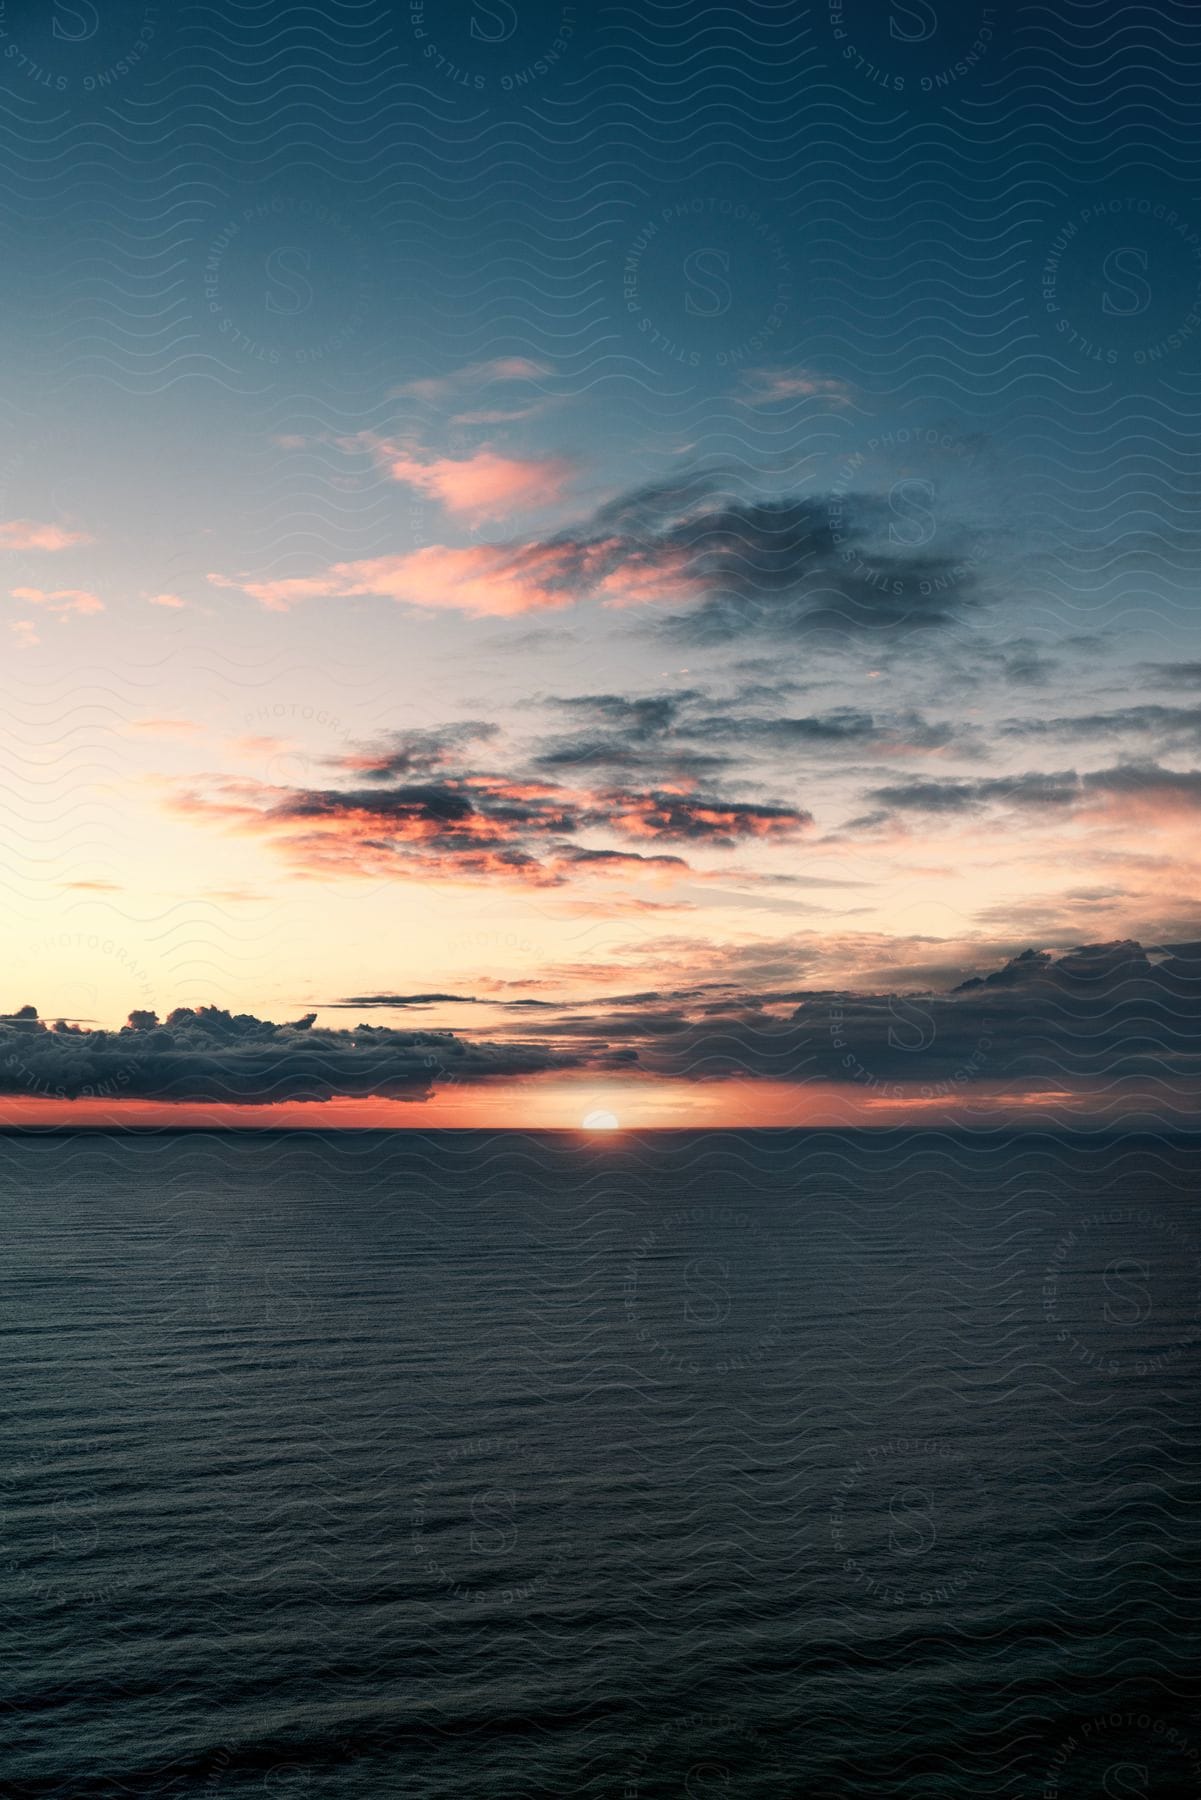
(1131, 785)
(484, 580)
(1099, 1014)
(650, 733)
(687, 735)
(28, 534)
(165, 727)
(692, 817)
(386, 1002)
(1179, 725)
(25, 633)
(414, 803)
(1175, 674)
(1082, 1020)
(779, 567)
(211, 1056)
(486, 485)
(437, 388)
(61, 600)
(1030, 790)
(169, 600)
(417, 752)
(1093, 1016)
(767, 387)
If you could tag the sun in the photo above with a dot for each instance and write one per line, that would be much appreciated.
(599, 1121)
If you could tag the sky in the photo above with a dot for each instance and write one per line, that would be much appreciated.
(615, 564)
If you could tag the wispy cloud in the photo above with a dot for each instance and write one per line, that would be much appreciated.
(439, 388)
(734, 566)
(28, 534)
(768, 387)
(61, 600)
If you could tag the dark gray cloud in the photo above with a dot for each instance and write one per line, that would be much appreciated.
(1034, 790)
(1101, 1012)
(1172, 674)
(798, 566)
(419, 753)
(672, 736)
(782, 567)
(211, 1056)
(648, 733)
(1146, 780)
(1171, 725)
(400, 1000)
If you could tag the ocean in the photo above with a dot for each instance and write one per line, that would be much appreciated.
(518, 1466)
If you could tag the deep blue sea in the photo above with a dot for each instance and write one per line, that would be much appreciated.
(510, 1467)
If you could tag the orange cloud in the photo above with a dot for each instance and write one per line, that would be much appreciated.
(484, 485)
(27, 534)
(489, 580)
(172, 600)
(61, 600)
(280, 596)
(164, 727)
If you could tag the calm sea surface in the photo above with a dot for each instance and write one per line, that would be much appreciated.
(516, 1467)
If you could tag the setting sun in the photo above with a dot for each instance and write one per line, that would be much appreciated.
(599, 1121)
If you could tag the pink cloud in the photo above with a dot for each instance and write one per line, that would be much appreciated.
(484, 485)
(654, 546)
(486, 580)
(281, 596)
(61, 600)
(491, 580)
(646, 577)
(28, 534)
(172, 600)
(25, 633)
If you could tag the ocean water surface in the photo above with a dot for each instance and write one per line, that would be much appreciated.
(518, 1466)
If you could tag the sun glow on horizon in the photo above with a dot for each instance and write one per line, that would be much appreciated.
(600, 1121)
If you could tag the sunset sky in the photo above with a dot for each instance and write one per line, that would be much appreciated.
(483, 556)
